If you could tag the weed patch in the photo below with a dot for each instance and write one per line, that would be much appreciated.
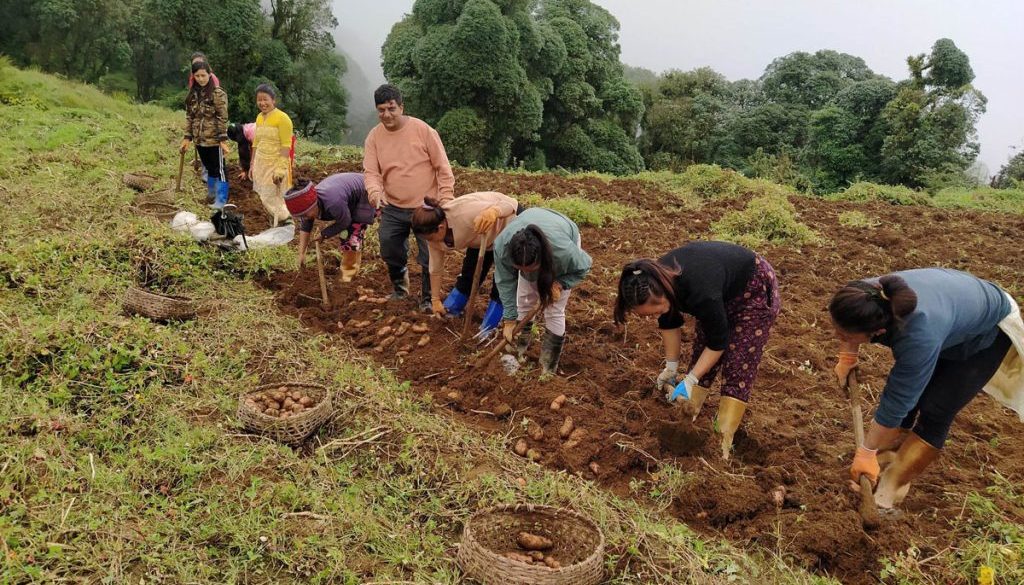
(770, 219)
(892, 194)
(580, 210)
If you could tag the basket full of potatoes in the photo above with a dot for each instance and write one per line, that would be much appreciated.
(288, 412)
(530, 544)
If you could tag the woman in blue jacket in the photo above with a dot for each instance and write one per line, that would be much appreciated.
(943, 328)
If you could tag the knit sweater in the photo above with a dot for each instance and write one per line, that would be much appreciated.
(404, 166)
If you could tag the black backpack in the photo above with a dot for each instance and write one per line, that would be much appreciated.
(228, 223)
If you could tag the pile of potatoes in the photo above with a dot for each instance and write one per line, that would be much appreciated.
(281, 402)
(533, 547)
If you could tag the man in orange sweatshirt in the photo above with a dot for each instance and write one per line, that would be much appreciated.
(404, 164)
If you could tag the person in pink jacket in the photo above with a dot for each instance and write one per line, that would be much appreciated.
(462, 224)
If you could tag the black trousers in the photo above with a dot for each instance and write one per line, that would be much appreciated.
(212, 158)
(954, 384)
(464, 281)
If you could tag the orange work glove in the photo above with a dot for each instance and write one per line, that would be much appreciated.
(865, 462)
(486, 220)
(185, 143)
(556, 291)
(847, 361)
(438, 307)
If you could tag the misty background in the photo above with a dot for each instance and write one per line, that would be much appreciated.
(739, 39)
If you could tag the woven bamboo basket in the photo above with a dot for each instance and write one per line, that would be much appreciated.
(139, 181)
(292, 430)
(578, 546)
(159, 307)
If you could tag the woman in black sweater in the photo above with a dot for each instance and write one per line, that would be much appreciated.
(733, 294)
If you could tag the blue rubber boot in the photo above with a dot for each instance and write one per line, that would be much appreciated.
(455, 303)
(492, 317)
(222, 194)
(211, 189)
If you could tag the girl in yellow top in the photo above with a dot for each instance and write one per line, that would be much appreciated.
(271, 170)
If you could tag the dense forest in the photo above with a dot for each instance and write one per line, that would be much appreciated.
(536, 84)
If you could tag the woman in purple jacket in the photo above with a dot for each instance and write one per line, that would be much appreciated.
(340, 198)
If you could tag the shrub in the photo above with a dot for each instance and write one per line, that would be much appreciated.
(892, 194)
(581, 210)
(767, 219)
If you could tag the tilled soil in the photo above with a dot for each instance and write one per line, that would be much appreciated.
(797, 432)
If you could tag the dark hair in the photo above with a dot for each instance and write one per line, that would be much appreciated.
(207, 90)
(198, 55)
(235, 132)
(529, 246)
(865, 307)
(640, 281)
(298, 185)
(387, 93)
(267, 89)
(427, 219)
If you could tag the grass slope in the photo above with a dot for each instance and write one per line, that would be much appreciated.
(120, 458)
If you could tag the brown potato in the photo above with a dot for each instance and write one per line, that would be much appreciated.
(306, 401)
(296, 395)
(420, 328)
(530, 541)
(403, 328)
(423, 341)
(286, 414)
(272, 412)
(536, 555)
(557, 403)
(502, 410)
(363, 298)
(391, 320)
(595, 468)
(536, 432)
(297, 408)
(575, 438)
(384, 331)
(288, 402)
(521, 448)
(566, 428)
(455, 396)
(385, 344)
(552, 563)
(533, 455)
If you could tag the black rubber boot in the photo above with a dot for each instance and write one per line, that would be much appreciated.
(401, 284)
(523, 341)
(550, 351)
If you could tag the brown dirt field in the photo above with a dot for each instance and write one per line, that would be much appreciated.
(797, 432)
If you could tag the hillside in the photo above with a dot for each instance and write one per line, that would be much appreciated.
(123, 458)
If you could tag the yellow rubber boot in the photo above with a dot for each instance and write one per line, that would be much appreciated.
(350, 262)
(913, 457)
(730, 413)
(698, 394)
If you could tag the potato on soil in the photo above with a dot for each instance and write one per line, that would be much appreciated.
(420, 328)
(595, 468)
(557, 403)
(566, 428)
(384, 331)
(530, 541)
(363, 298)
(533, 455)
(521, 447)
(575, 438)
(423, 341)
(402, 329)
(384, 344)
(454, 396)
(536, 432)
(502, 410)
(391, 320)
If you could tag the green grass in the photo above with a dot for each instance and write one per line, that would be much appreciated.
(583, 211)
(769, 219)
(892, 194)
(120, 456)
(702, 183)
(982, 199)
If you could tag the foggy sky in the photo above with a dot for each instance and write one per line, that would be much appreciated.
(739, 38)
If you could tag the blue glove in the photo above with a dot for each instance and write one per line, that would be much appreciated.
(683, 388)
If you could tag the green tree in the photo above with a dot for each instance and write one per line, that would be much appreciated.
(1011, 175)
(685, 120)
(931, 123)
(77, 38)
(473, 57)
(812, 80)
(593, 115)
